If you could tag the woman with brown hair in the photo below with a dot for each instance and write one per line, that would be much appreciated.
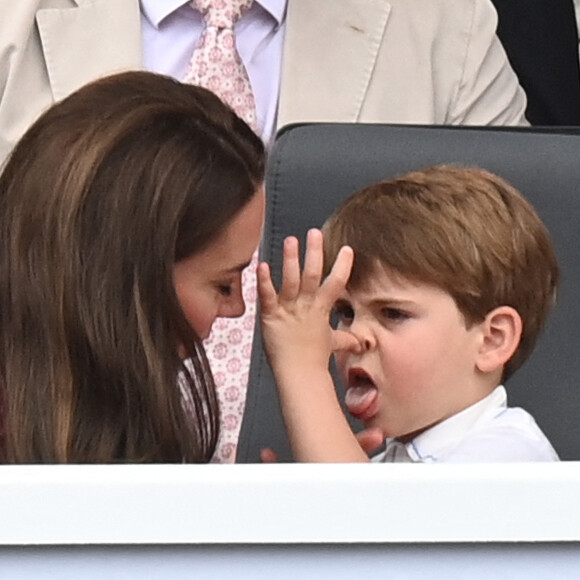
(127, 213)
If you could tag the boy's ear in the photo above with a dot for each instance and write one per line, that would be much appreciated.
(501, 333)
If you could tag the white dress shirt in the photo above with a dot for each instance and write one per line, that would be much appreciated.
(171, 30)
(488, 431)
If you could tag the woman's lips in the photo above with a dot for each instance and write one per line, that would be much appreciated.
(362, 395)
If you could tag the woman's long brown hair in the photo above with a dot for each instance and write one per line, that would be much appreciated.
(98, 200)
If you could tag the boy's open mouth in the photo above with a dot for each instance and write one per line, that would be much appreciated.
(361, 395)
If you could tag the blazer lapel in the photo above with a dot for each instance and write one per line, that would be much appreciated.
(330, 50)
(88, 41)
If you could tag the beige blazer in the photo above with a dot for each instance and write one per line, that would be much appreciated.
(396, 61)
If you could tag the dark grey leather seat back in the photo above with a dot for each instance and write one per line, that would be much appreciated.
(314, 167)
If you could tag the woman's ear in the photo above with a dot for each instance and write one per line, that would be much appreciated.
(501, 333)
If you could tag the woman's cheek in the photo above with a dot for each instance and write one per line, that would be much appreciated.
(199, 312)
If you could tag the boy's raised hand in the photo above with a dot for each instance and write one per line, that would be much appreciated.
(299, 341)
(295, 322)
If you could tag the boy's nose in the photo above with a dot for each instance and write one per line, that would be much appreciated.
(364, 334)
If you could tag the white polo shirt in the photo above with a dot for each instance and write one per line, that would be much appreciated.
(488, 431)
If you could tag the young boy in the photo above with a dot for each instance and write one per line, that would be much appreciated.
(442, 280)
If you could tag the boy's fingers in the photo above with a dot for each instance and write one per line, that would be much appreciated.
(266, 290)
(370, 439)
(313, 263)
(343, 340)
(336, 281)
(268, 456)
(290, 270)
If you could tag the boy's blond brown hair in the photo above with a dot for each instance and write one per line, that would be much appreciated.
(464, 230)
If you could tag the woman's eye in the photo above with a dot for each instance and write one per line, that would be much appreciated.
(225, 289)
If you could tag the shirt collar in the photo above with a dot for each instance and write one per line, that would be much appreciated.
(432, 444)
(157, 10)
(276, 8)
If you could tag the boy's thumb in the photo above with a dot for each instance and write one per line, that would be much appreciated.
(343, 340)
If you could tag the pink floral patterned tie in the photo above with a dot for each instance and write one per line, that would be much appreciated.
(216, 63)
(217, 66)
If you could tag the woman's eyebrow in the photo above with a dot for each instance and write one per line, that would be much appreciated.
(237, 268)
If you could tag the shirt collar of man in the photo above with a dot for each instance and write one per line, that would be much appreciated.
(276, 8)
(158, 10)
(437, 441)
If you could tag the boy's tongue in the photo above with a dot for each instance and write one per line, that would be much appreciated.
(361, 401)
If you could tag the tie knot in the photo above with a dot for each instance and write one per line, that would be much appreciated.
(221, 13)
